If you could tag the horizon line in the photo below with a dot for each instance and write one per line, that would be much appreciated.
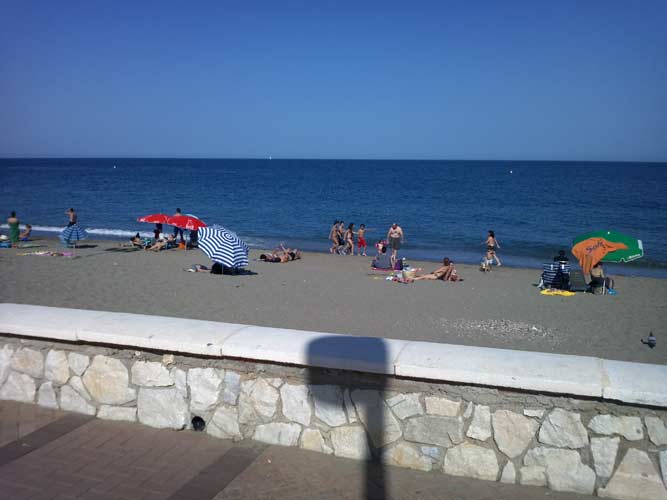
(266, 158)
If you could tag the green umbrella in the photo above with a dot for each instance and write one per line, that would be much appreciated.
(635, 247)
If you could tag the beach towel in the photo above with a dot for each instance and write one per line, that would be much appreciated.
(591, 251)
(563, 293)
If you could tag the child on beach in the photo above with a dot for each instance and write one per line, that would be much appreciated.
(25, 235)
(361, 240)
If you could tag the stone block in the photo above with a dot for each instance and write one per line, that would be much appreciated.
(480, 427)
(278, 433)
(328, 401)
(442, 406)
(534, 413)
(352, 417)
(311, 439)
(405, 405)
(635, 479)
(468, 411)
(28, 361)
(107, 381)
(433, 452)
(225, 423)
(162, 408)
(513, 432)
(350, 442)
(77, 384)
(296, 406)
(205, 385)
(564, 430)
(604, 452)
(405, 455)
(18, 387)
(78, 362)
(118, 413)
(230, 393)
(533, 475)
(46, 396)
(628, 427)
(469, 460)
(564, 469)
(257, 402)
(508, 475)
(180, 378)
(380, 423)
(6, 354)
(70, 400)
(151, 374)
(56, 367)
(431, 429)
(656, 430)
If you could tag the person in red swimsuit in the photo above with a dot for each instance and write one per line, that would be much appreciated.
(361, 240)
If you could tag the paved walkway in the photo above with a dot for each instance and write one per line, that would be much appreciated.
(46, 454)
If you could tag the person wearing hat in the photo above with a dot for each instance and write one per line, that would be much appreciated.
(13, 224)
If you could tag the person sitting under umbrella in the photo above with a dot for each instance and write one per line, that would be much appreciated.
(598, 279)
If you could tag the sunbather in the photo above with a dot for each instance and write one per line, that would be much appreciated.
(445, 273)
(169, 242)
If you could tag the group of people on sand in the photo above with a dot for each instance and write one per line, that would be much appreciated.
(342, 238)
(15, 233)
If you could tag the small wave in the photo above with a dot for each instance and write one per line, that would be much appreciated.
(92, 230)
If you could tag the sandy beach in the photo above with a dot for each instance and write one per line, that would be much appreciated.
(342, 294)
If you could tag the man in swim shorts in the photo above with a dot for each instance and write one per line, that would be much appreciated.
(395, 238)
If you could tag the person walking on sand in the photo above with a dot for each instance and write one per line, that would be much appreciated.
(333, 236)
(395, 237)
(491, 245)
(13, 224)
(178, 230)
(361, 240)
(349, 239)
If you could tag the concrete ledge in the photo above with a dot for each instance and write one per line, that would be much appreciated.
(540, 372)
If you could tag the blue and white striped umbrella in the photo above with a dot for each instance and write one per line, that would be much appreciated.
(223, 246)
(72, 233)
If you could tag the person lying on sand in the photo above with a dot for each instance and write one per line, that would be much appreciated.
(281, 255)
(163, 243)
(446, 272)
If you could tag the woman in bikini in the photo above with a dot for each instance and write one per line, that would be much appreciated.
(349, 239)
(491, 245)
(333, 236)
(445, 273)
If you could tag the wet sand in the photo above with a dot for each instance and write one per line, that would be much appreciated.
(341, 294)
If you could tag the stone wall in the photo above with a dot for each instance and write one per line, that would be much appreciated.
(567, 444)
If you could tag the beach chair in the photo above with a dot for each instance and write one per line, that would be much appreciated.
(577, 282)
(555, 275)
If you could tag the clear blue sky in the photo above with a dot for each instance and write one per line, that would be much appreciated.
(542, 79)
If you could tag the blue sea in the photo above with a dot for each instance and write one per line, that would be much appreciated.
(445, 207)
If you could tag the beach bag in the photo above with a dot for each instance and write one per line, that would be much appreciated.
(398, 266)
(216, 268)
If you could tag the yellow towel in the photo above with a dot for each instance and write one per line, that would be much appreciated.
(564, 293)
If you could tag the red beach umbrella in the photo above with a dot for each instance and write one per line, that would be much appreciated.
(189, 222)
(154, 218)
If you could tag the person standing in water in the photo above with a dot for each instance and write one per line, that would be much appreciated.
(491, 246)
(395, 237)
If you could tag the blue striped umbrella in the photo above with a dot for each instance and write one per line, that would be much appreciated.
(72, 233)
(223, 246)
